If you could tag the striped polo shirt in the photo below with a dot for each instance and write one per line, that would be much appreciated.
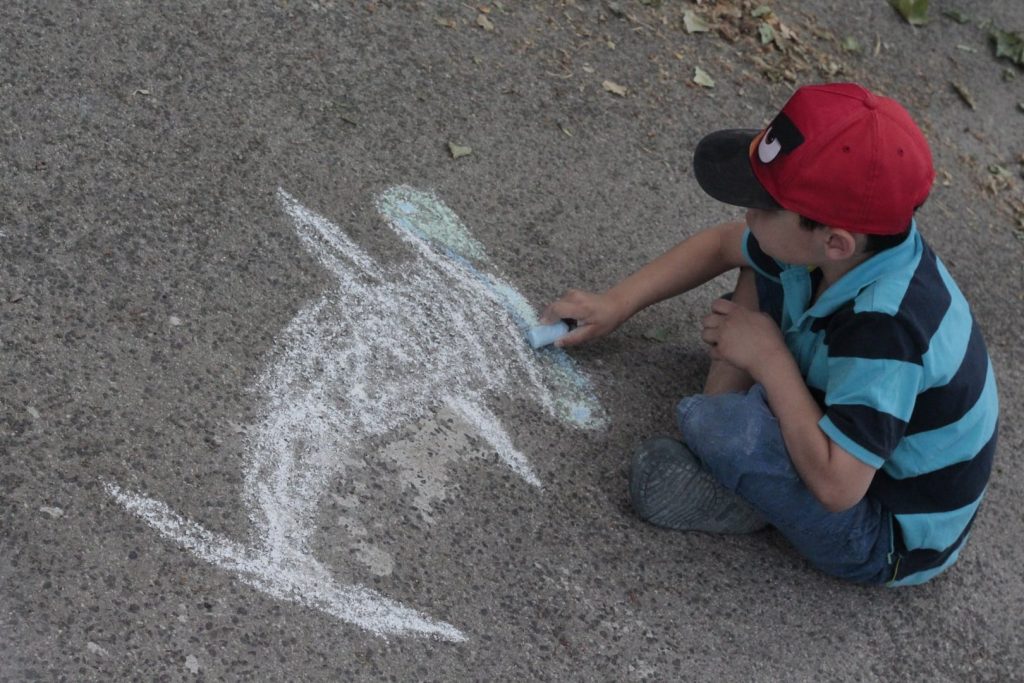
(895, 359)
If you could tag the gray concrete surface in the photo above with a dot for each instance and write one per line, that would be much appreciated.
(146, 270)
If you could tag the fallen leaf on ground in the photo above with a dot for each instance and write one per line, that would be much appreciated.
(914, 11)
(964, 94)
(999, 179)
(458, 151)
(483, 22)
(658, 334)
(1009, 45)
(614, 88)
(956, 15)
(694, 23)
(701, 78)
(851, 44)
(763, 10)
(766, 32)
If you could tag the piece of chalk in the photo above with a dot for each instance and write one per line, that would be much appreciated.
(542, 335)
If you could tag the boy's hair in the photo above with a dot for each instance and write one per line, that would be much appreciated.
(874, 243)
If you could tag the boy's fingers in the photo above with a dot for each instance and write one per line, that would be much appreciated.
(577, 336)
(723, 306)
(549, 316)
(709, 336)
(713, 321)
(557, 311)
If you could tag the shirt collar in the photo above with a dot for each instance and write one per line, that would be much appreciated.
(894, 260)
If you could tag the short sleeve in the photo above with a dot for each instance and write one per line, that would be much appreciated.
(874, 377)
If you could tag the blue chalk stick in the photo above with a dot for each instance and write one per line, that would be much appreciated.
(542, 335)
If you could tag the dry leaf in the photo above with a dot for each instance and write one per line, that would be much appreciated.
(658, 334)
(458, 151)
(914, 11)
(694, 23)
(701, 78)
(614, 88)
(483, 22)
(964, 95)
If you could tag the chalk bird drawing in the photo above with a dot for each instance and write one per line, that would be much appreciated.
(385, 346)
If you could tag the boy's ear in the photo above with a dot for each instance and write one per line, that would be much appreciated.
(840, 244)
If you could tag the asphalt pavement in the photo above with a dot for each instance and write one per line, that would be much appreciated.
(239, 439)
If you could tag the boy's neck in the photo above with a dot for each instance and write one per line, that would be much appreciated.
(832, 271)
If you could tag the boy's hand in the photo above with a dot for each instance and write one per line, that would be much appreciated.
(742, 337)
(595, 314)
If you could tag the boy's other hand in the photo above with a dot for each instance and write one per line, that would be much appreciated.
(740, 336)
(595, 314)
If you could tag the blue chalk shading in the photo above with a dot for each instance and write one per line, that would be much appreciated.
(581, 413)
(542, 335)
(574, 397)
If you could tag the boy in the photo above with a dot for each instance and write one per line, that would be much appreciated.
(850, 401)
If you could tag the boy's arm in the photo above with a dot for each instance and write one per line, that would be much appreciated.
(689, 264)
(753, 342)
(836, 478)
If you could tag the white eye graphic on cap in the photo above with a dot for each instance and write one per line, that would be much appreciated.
(769, 147)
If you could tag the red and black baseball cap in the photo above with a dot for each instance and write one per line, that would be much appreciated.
(837, 154)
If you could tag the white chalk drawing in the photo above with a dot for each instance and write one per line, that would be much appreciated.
(386, 347)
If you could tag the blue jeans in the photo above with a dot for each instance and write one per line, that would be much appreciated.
(738, 439)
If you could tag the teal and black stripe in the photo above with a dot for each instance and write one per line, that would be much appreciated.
(901, 371)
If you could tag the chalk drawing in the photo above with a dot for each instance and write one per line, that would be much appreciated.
(388, 347)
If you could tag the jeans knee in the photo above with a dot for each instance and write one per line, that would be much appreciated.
(725, 430)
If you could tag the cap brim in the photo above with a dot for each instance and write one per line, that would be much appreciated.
(721, 164)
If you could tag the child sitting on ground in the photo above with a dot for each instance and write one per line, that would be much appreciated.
(850, 401)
